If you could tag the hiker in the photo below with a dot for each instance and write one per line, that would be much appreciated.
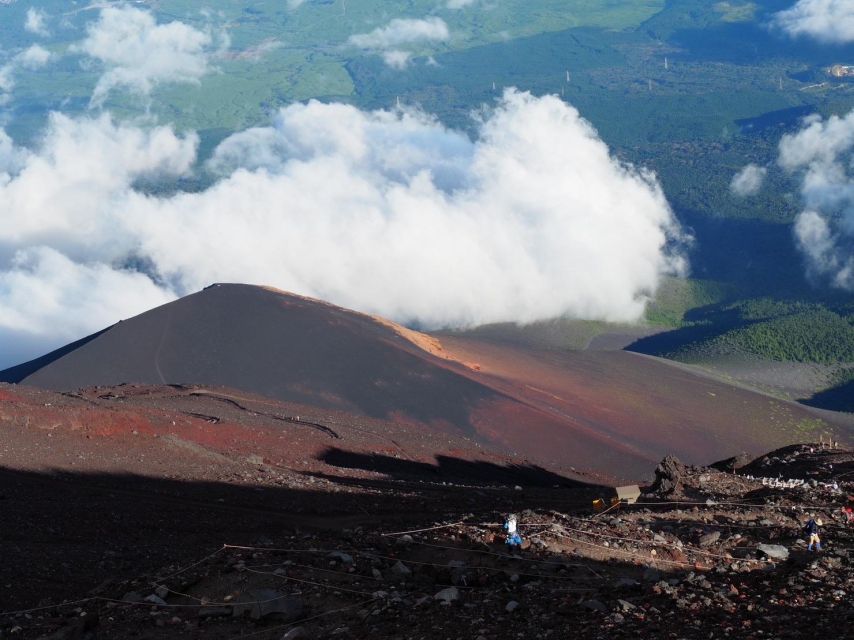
(811, 529)
(514, 540)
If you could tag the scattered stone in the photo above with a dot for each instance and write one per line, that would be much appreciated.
(594, 605)
(133, 597)
(625, 605)
(651, 575)
(262, 603)
(297, 633)
(340, 556)
(401, 570)
(708, 539)
(511, 606)
(451, 594)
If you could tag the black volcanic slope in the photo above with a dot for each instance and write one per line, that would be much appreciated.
(269, 343)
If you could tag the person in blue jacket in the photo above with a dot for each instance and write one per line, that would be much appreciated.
(811, 529)
(514, 540)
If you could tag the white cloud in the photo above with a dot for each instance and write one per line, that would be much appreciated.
(748, 181)
(830, 21)
(31, 58)
(69, 194)
(822, 153)
(36, 22)
(34, 57)
(12, 158)
(46, 294)
(138, 54)
(459, 4)
(397, 59)
(402, 31)
(295, 4)
(385, 212)
(398, 33)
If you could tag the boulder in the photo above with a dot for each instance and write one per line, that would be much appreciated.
(773, 551)
(668, 476)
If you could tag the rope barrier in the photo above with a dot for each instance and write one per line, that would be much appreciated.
(45, 608)
(731, 504)
(626, 552)
(311, 582)
(403, 533)
(195, 564)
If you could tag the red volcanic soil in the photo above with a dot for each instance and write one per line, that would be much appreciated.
(626, 406)
(397, 392)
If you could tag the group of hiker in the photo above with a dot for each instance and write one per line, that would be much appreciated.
(811, 530)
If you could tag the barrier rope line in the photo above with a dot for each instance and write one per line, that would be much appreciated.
(731, 504)
(188, 567)
(633, 554)
(311, 582)
(45, 608)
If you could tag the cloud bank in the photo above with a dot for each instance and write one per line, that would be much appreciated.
(830, 21)
(138, 54)
(385, 212)
(822, 153)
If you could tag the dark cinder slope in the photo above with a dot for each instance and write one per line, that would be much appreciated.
(270, 343)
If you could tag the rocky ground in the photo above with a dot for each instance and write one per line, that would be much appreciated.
(704, 554)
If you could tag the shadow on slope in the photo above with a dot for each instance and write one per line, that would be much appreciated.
(838, 398)
(448, 468)
(66, 533)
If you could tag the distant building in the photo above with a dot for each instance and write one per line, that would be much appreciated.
(842, 71)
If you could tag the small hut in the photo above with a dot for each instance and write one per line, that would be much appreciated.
(628, 494)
